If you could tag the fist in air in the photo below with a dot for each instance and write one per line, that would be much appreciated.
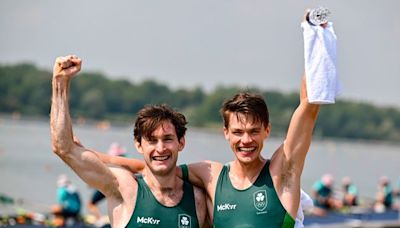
(67, 66)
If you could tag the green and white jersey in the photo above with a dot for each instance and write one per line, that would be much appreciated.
(256, 206)
(150, 213)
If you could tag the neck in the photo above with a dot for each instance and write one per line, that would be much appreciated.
(161, 183)
(245, 173)
(247, 168)
(167, 189)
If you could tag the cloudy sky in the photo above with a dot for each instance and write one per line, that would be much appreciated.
(187, 43)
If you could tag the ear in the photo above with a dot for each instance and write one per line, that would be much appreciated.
(138, 147)
(226, 133)
(268, 130)
(181, 145)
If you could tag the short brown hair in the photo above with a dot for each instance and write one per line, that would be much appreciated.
(248, 104)
(152, 116)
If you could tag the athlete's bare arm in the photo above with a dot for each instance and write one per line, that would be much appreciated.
(201, 207)
(85, 163)
(288, 161)
(77, 157)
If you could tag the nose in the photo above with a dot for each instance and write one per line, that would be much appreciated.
(160, 146)
(246, 138)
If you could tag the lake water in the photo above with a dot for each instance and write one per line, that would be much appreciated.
(29, 169)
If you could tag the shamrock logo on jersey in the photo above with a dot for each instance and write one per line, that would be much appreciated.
(184, 221)
(260, 200)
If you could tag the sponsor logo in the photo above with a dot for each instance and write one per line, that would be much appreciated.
(184, 221)
(260, 200)
(148, 220)
(226, 206)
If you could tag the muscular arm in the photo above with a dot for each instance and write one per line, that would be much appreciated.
(300, 130)
(288, 161)
(201, 207)
(84, 162)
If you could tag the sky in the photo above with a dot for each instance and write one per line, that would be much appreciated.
(207, 43)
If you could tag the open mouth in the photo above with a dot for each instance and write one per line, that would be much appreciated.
(161, 158)
(246, 149)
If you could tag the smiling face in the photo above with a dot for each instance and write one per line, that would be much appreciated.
(246, 137)
(160, 150)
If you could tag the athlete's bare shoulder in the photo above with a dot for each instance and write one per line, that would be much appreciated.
(122, 209)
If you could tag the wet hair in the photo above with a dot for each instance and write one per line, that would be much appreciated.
(151, 117)
(250, 105)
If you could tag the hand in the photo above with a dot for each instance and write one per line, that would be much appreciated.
(67, 66)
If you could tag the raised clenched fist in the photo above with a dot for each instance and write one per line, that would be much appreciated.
(67, 66)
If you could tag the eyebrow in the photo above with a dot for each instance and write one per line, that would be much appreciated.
(241, 129)
(163, 136)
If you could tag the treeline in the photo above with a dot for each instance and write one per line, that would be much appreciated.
(26, 89)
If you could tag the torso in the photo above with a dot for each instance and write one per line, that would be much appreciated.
(255, 206)
(154, 214)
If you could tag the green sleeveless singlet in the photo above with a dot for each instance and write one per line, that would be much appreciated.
(150, 213)
(256, 206)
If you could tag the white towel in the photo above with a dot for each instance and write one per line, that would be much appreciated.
(306, 203)
(320, 63)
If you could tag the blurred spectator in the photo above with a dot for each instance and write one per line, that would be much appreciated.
(350, 192)
(323, 196)
(384, 196)
(69, 202)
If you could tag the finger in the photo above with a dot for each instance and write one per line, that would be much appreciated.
(67, 61)
(66, 64)
(58, 64)
(73, 60)
(63, 62)
(60, 59)
(76, 61)
(71, 70)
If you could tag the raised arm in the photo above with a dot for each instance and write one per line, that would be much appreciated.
(300, 130)
(322, 87)
(84, 162)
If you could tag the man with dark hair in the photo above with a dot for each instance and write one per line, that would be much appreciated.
(157, 196)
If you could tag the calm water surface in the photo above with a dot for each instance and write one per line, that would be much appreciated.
(29, 169)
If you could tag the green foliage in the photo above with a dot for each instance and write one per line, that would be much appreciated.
(359, 120)
(26, 89)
